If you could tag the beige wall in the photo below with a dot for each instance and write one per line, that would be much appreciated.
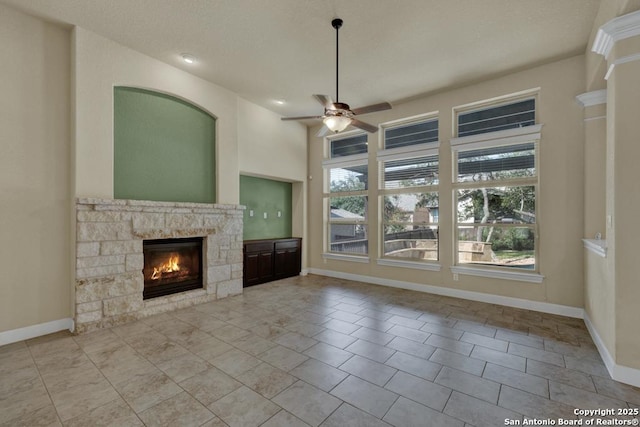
(100, 64)
(611, 283)
(35, 189)
(624, 204)
(561, 187)
(271, 148)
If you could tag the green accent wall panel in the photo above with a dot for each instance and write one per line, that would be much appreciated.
(265, 195)
(164, 148)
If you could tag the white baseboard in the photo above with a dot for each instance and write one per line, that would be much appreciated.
(621, 373)
(33, 331)
(544, 307)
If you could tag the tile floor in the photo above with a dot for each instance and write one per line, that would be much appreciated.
(313, 351)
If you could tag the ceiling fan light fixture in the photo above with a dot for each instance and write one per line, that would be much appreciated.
(337, 123)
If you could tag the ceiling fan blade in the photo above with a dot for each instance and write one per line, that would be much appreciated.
(372, 108)
(301, 118)
(364, 126)
(323, 131)
(325, 101)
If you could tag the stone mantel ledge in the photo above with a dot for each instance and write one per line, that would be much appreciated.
(153, 204)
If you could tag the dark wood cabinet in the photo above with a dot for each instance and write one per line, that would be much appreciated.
(271, 259)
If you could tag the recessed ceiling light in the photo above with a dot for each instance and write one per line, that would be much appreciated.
(188, 58)
(280, 101)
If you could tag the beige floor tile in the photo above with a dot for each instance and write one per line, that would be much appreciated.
(371, 351)
(563, 375)
(516, 379)
(210, 386)
(43, 417)
(305, 328)
(295, 341)
(348, 416)
(368, 370)
(143, 392)
(499, 358)
(336, 339)
(266, 380)
(414, 348)
(426, 392)
(481, 340)
(478, 412)
(77, 400)
(234, 362)
(283, 358)
(179, 410)
(533, 406)
(409, 333)
(580, 398)
(244, 408)
(365, 396)
(114, 414)
(372, 335)
(345, 316)
(536, 354)
(328, 354)
(617, 390)
(588, 366)
(469, 384)
(21, 404)
(406, 413)
(341, 326)
(449, 344)
(458, 361)
(284, 419)
(308, 403)
(442, 330)
(414, 365)
(182, 367)
(319, 374)
(475, 348)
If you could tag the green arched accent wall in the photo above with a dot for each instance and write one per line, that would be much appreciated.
(164, 148)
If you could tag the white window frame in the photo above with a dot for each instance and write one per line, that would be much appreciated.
(401, 153)
(328, 164)
(506, 137)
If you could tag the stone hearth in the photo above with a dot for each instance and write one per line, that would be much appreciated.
(109, 257)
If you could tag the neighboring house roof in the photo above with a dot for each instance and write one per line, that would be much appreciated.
(341, 213)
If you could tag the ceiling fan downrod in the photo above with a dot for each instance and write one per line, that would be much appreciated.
(337, 23)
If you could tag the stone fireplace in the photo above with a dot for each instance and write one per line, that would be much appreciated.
(111, 237)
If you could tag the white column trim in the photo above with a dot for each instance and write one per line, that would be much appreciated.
(623, 60)
(617, 29)
(595, 97)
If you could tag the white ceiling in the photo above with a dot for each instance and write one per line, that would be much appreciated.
(390, 50)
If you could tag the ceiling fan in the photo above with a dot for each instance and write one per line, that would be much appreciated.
(338, 115)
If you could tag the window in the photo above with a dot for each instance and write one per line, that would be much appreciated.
(346, 195)
(408, 190)
(496, 186)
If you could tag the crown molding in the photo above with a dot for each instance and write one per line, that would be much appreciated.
(619, 28)
(595, 97)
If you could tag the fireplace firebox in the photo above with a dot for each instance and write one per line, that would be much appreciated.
(172, 266)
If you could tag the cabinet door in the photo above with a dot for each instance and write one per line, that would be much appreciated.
(287, 262)
(265, 266)
(251, 275)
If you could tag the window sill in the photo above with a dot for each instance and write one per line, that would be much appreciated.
(343, 257)
(408, 264)
(498, 274)
(597, 246)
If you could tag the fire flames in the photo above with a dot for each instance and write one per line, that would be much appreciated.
(172, 265)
